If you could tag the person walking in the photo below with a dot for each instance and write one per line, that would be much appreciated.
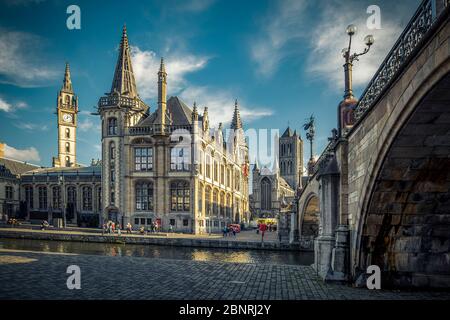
(119, 232)
(224, 231)
(262, 229)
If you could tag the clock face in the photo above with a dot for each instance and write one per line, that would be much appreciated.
(67, 117)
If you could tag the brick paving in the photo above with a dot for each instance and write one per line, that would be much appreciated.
(35, 275)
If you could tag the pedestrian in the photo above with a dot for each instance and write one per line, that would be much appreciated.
(118, 229)
(129, 228)
(225, 231)
(113, 227)
(262, 228)
(103, 229)
(170, 228)
(234, 232)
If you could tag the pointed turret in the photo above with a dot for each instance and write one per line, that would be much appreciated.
(162, 94)
(194, 113)
(67, 82)
(124, 81)
(236, 123)
(205, 119)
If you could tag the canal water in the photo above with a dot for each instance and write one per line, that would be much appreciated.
(162, 252)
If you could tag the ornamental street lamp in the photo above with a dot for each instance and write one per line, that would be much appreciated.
(347, 106)
(349, 58)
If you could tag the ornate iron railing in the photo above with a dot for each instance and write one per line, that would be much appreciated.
(409, 40)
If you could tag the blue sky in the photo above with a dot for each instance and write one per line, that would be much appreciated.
(280, 59)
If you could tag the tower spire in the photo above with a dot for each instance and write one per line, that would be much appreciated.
(236, 123)
(162, 94)
(67, 82)
(124, 81)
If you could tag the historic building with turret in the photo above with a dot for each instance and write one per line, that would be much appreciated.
(168, 165)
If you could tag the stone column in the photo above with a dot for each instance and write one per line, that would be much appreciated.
(294, 234)
(329, 213)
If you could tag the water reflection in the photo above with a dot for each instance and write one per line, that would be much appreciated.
(163, 252)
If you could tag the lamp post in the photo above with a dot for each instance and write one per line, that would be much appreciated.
(346, 107)
(349, 58)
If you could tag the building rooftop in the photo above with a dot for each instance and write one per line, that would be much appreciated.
(17, 167)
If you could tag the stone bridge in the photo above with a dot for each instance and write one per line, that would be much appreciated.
(380, 192)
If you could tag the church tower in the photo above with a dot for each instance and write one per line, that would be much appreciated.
(66, 110)
(291, 158)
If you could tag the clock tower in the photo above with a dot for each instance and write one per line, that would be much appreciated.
(66, 110)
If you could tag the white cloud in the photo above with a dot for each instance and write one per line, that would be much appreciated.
(289, 28)
(282, 27)
(195, 5)
(20, 61)
(88, 125)
(31, 126)
(9, 107)
(329, 38)
(146, 65)
(28, 154)
(220, 105)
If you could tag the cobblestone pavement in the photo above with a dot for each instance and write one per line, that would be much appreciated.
(33, 275)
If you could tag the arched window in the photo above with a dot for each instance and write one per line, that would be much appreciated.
(215, 202)
(71, 195)
(144, 196)
(200, 199)
(42, 197)
(67, 161)
(222, 204)
(87, 198)
(29, 196)
(208, 201)
(112, 126)
(67, 147)
(56, 195)
(180, 196)
(266, 194)
(67, 100)
(67, 133)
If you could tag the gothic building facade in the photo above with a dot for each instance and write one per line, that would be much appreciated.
(273, 189)
(169, 166)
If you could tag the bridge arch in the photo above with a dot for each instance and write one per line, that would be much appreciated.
(404, 224)
(310, 216)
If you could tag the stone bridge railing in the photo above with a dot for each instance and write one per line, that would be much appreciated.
(411, 38)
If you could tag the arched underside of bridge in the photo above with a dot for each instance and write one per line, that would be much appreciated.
(407, 225)
(310, 223)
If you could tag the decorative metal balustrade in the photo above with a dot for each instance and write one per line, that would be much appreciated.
(415, 31)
